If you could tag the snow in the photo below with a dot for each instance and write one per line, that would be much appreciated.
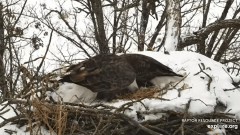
(217, 132)
(9, 111)
(69, 92)
(205, 84)
(189, 63)
(21, 130)
(162, 81)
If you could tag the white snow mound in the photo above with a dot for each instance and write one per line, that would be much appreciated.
(207, 83)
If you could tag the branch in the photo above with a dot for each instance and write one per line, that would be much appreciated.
(236, 84)
(23, 7)
(203, 33)
(202, 71)
(43, 58)
(129, 6)
(157, 30)
(181, 128)
(138, 125)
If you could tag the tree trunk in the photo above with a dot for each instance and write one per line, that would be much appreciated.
(202, 45)
(3, 86)
(98, 21)
(143, 25)
(173, 25)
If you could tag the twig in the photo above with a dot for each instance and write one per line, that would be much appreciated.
(236, 84)
(128, 104)
(201, 101)
(138, 125)
(98, 126)
(5, 111)
(210, 78)
(181, 128)
(6, 121)
(159, 129)
(181, 80)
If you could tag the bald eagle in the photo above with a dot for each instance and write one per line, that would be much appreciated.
(108, 75)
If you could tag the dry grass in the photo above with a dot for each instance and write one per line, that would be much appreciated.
(144, 92)
(54, 117)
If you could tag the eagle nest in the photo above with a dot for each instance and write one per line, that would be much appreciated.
(101, 119)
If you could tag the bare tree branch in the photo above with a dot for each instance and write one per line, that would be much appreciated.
(203, 33)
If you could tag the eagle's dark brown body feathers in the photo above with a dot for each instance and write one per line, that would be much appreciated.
(147, 68)
(110, 75)
(105, 74)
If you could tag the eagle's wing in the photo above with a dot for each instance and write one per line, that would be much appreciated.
(102, 73)
(143, 63)
(147, 68)
(116, 74)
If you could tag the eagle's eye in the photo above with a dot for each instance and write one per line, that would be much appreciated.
(92, 69)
